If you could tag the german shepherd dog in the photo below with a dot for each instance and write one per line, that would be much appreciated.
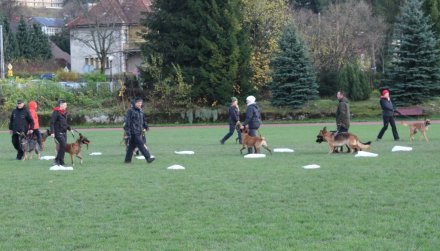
(44, 136)
(28, 144)
(414, 127)
(74, 149)
(320, 139)
(126, 140)
(341, 139)
(251, 141)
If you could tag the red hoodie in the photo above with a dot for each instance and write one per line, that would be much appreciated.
(33, 109)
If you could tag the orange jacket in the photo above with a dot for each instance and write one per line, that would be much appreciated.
(33, 109)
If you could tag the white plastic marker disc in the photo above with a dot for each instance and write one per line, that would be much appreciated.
(176, 167)
(401, 148)
(312, 166)
(184, 152)
(47, 157)
(366, 154)
(142, 157)
(255, 155)
(283, 150)
(96, 153)
(61, 168)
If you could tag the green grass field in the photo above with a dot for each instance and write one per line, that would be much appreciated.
(223, 201)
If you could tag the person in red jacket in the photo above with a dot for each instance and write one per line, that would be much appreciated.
(33, 106)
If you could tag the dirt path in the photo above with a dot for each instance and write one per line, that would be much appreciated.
(225, 125)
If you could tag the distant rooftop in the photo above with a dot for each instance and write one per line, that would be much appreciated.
(49, 22)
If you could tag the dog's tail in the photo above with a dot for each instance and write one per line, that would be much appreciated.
(363, 146)
(366, 143)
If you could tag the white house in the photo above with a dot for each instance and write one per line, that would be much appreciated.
(110, 26)
(56, 4)
(49, 26)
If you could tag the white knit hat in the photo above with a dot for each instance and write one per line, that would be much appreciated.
(251, 99)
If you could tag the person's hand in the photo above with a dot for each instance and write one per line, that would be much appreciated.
(11, 132)
(30, 131)
(52, 135)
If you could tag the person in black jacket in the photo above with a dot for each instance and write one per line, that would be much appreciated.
(20, 122)
(134, 126)
(253, 118)
(58, 129)
(387, 115)
(234, 117)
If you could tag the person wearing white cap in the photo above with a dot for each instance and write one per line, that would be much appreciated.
(253, 118)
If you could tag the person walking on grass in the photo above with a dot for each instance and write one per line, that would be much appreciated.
(33, 106)
(58, 130)
(234, 117)
(20, 122)
(253, 118)
(387, 115)
(135, 124)
(342, 113)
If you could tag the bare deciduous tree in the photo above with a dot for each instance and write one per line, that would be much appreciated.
(98, 29)
(341, 33)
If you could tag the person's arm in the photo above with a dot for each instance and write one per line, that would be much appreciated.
(386, 106)
(127, 123)
(342, 116)
(10, 121)
(52, 122)
(30, 121)
(249, 113)
(145, 125)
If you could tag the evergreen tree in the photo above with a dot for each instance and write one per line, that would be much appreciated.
(10, 46)
(23, 40)
(294, 80)
(414, 73)
(202, 38)
(432, 8)
(41, 43)
(354, 82)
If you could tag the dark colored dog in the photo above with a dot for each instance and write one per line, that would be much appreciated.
(126, 140)
(28, 145)
(341, 139)
(252, 141)
(74, 149)
(419, 126)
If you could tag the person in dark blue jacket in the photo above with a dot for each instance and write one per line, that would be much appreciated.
(20, 122)
(387, 115)
(253, 118)
(234, 117)
(134, 126)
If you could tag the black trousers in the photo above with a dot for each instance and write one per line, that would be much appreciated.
(61, 139)
(231, 132)
(388, 120)
(17, 146)
(133, 142)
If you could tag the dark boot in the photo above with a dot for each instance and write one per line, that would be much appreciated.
(250, 150)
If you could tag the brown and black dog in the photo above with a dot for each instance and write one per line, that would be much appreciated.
(341, 139)
(414, 127)
(74, 149)
(28, 144)
(251, 141)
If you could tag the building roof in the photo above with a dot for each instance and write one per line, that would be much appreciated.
(49, 22)
(112, 12)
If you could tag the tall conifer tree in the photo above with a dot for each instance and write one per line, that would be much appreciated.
(294, 80)
(23, 39)
(10, 45)
(414, 73)
(202, 38)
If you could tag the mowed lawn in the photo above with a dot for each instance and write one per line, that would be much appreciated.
(223, 201)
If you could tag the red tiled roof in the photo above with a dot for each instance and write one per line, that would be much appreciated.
(113, 12)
